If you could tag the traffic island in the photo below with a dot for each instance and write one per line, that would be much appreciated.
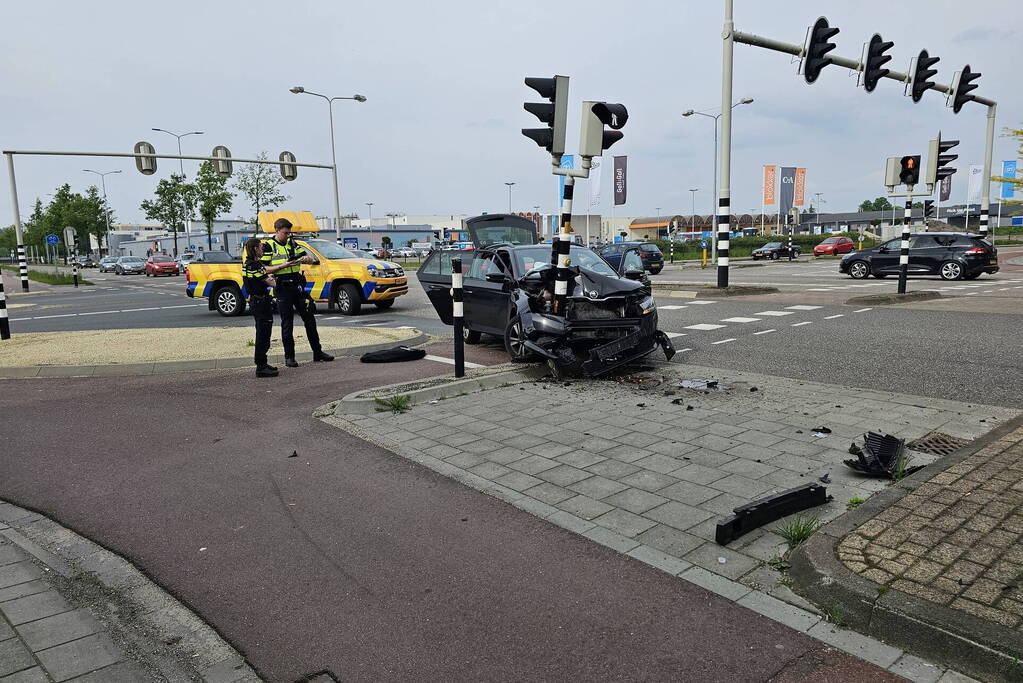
(934, 564)
(887, 299)
(694, 290)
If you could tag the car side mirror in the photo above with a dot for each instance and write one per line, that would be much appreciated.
(633, 274)
(498, 278)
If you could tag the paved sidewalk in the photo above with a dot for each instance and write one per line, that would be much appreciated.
(89, 617)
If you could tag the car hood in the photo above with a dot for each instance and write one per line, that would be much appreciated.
(596, 286)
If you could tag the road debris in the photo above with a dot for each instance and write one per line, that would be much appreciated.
(881, 455)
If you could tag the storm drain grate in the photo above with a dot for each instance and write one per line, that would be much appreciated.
(937, 443)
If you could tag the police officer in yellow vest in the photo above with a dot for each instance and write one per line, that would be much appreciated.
(290, 291)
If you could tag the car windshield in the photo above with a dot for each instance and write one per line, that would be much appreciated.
(582, 257)
(771, 245)
(330, 250)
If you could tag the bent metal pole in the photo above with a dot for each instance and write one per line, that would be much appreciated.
(724, 192)
(18, 231)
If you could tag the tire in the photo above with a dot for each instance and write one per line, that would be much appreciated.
(471, 336)
(859, 270)
(147, 273)
(972, 276)
(384, 305)
(513, 342)
(655, 271)
(347, 299)
(950, 270)
(774, 256)
(228, 301)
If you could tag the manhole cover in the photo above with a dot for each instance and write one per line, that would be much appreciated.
(937, 443)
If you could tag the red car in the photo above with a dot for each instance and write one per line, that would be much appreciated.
(161, 264)
(833, 246)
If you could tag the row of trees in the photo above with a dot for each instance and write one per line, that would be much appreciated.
(87, 213)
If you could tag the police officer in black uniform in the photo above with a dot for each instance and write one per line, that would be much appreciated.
(284, 256)
(257, 281)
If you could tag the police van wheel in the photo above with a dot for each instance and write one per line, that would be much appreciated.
(228, 300)
(347, 300)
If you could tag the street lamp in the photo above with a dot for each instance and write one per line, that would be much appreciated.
(299, 90)
(694, 190)
(181, 162)
(817, 216)
(716, 117)
(509, 196)
(370, 205)
(106, 209)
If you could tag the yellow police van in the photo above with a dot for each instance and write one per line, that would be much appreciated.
(340, 280)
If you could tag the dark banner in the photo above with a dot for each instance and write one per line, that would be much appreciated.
(788, 189)
(946, 188)
(621, 171)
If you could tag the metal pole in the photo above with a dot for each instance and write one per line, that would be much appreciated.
(724, 193)
(333, 171)
(904, 250)
(714, 219)
(458, 313)
(985, 199)
(5, 325)
(562, 247)
(19, 237)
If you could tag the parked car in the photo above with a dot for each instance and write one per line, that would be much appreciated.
(610, 318)
(653, 259)
(184, 259)
(833, 246)
(161, 264)
(129, 265)
(775, 251)
(382, 253)
(107, 263)
(950, 255)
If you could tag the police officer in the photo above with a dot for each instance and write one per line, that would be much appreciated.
(257, 280)
(284, 256)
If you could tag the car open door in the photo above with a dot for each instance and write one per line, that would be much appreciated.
(435, 277)
(500, 228)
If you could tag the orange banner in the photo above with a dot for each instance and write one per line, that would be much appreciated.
(800, 187)
(770, 181)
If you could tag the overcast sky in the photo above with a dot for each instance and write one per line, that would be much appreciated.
(440, 132)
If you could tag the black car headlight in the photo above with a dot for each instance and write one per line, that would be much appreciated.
(647, 305)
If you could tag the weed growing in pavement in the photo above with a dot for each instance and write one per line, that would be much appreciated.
(835, 614)
(798, 529)
(881, 590)
(855, 502)
(778, 563)
(899, 473)
(250, 343)
(395, 404)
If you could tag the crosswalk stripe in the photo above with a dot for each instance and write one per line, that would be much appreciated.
(704, 326)
(805, 322)
(774, 313)
(741, 320)
(673, 335)
(832, 317)
(765, 332)
(861, 310)
(802, 308)
(697, 301)
(671, 308)
(723, 341)
(451, 361)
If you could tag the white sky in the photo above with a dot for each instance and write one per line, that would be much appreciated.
(440, 132)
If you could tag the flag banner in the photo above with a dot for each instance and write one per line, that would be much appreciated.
(594, 184)
(621, 185)
(567, 161)
(976, 180)
(770, 181)
(800, 198)
(1008, 171)
(946, 188)
(788, 188)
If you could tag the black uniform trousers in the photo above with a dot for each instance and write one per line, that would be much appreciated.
(291, 299)
(262, 311)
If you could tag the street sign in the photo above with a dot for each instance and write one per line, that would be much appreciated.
(1017, 220)
(69, 236)
(351, 242)
(703, 244)
(52, 240)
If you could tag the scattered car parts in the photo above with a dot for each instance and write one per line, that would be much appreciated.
(760, 512)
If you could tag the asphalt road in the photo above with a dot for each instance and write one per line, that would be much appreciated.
(349, 559)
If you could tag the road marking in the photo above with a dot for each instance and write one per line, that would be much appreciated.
(62, 315)
(806, 322)
(451, 361)
(670, 308)
(861, 310)
(765, 331)
(405, 327)
(1004, 289)
(133, 310)
(741, 320)
(98, 312)
(832, 317)
(696, 301)
(829, 289)
(723, 341)
(987, 291)
(972, 293)
(373, 324)
(703, 326)
(673, 335)
(179, 306)
(802, 308)
(774, 313)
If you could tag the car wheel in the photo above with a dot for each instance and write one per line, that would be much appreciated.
(384, 305)
(147, 273)
(859, 270)
(347, 300)
(774, 256)
(514, 341)
(950, 270)
(972, 276)
(470, 336)
(228, 300)
(655, 271)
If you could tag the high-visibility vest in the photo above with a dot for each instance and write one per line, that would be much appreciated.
(276, 254)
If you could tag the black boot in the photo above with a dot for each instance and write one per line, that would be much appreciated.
(322, 357)
(266, 371)
(291, 362)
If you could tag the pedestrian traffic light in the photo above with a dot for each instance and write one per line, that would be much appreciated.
(937, 161)
(910, 170)
(593, 139)
(289, 171)
(873, 67)
(928, 208)
(555, 114)
(920, 81)
(817, 46)
(962, 84)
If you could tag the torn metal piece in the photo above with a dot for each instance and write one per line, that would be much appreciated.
(880, 455)
(760, 512)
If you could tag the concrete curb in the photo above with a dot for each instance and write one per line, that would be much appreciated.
(954, 638)
(154, 630)
(164, 367)
(884, 299)
(358, 403)
(702, 289)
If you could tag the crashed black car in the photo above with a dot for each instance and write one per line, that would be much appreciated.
(610, 317)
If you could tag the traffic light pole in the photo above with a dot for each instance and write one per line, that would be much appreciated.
(724, 191)
(907, 216)
(19, 233)
(562, 248)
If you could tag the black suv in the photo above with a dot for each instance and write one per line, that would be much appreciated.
(610, 319)
(653, 259)
(950, 255)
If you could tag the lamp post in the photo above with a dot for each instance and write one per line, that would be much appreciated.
(370, 205)
(694, 190)
(509, 196)
(299, 90)
(181, 167)
(817, 216)
(716, 117)
(106, 209)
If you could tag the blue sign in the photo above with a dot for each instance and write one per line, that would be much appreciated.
(706, 235)
(567, 161)
(351, 242)
(703, 244)
(52, 240)
(1017, 220)
(1008, 171)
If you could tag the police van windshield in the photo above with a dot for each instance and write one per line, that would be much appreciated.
(330, 250)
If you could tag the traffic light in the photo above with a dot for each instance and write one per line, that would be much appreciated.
(873, 68)
(928, 208)
(289, 171)
(223, 163)
(920, 81)
(145, 164)
(909, 173)
(817, 46)
(593, 139)
(962, 84)
(938, 161)
(555, 114)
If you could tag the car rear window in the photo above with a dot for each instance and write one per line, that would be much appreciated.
(649, 248)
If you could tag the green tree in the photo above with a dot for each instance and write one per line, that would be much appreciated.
(171, 205)
(260, 183)
(211, 197)
(879, 204)
(85, 213)
(1017, 182)
(386, 242)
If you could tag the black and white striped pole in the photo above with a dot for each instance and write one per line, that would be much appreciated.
(562, 249)
(18, 232)
(904, 247)
(792, 229)
(458, 314)
(5, 325)
(725, 192)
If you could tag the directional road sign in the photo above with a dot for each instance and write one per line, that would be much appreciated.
(52, 240)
